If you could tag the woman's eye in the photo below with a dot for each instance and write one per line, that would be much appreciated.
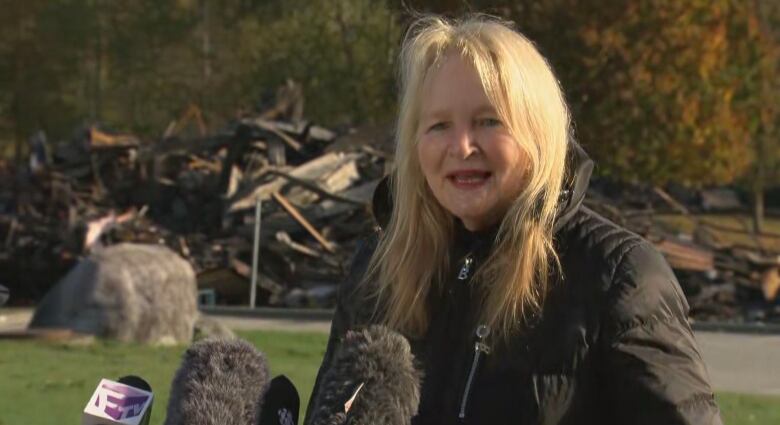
(438, 126)
(490, 122)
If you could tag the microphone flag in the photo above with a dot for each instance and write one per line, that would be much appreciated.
(116, 403)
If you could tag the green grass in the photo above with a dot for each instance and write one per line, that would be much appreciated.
(47, 383)
(741, 409)
(297, 355)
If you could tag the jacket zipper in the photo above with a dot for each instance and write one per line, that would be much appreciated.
(480, 347)
(464, 271)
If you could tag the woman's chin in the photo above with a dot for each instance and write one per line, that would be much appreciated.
(473, 221)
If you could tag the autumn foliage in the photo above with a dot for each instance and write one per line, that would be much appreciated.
(661, 90)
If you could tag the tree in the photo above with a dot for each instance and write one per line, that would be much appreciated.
(760, 97)
(342, 52)
(656, 98)
(659, 88)
(38, 43)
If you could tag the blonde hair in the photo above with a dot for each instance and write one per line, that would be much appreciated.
(412, 253)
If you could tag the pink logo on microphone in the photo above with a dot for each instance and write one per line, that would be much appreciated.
(120, 401)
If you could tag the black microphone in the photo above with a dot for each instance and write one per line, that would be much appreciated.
(220, 381)
(135, 382)
(281, 403)
(126, 402)
(373, 380)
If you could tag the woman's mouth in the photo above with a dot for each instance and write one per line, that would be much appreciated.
(468, 179)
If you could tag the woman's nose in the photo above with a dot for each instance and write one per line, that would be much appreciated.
(463, 143)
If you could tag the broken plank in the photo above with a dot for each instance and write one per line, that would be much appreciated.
(285, 239)
(684, 256)
(312, 170)
(316, 188)
(671, 201)
(302, 220)
(267, 126)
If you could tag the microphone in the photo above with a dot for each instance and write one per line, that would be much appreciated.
(373, 380)
(281, 403)
(127, 402)
(220, 381)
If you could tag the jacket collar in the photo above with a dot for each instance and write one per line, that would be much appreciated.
(579, 168)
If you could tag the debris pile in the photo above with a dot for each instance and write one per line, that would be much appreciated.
(199, 195)
(727, 272)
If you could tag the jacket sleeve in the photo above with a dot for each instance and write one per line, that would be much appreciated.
(650, 364)
(344, 317)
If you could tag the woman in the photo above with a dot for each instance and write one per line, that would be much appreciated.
(522, 305)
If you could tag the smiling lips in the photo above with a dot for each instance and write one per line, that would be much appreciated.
(468, 179)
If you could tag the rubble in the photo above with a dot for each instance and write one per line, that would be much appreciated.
(196, 193)
(722, 279)
(720, 200)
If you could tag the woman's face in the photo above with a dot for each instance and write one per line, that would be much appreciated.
(473, 166)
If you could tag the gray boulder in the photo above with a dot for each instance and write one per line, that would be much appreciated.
(208, 327)
(127, 292)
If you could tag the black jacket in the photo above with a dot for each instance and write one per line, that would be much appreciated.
(611, 346)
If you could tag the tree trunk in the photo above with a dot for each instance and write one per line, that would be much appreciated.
(18, 92)
(97, 88)
(758, 185)
(205, 104)
(768, 117)
(758, 209)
